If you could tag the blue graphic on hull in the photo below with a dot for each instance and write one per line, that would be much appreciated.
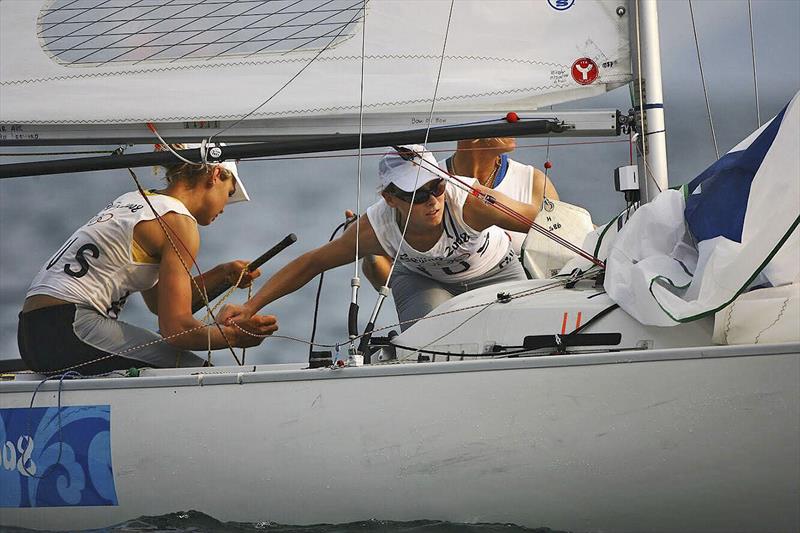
(52, 459)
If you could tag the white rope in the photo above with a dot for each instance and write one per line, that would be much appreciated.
(521, 294)
(703, 80)
(176, 154)
(753, 53)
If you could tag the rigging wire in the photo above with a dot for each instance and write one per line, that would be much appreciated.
(703, 80)
(425, 142)
(296, 75)
(383, 292)
(355, 282)
(311, 344)
(642, 116)
(753, 54)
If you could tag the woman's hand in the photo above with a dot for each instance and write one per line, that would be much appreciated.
(251, 332)
(233, 312)
(234, 269)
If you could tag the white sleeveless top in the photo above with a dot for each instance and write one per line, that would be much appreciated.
(100, 265)
(460, 254)
(515, 180)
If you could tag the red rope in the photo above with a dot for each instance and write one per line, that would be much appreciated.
(491, 200)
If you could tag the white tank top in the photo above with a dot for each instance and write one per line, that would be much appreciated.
(100, 265)
(515, 180)
(460, 254)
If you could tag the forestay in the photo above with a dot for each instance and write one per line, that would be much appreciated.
(689, 253)
(188, 65)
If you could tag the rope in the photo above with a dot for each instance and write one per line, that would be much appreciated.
(201, 290)
(456, 181)
(703, 80)
(753, 54)
(521, 294)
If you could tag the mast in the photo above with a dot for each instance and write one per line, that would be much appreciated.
(647, 87)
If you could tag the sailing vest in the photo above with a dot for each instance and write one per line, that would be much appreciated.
(460, 254)
(515, 180)
(100, 265)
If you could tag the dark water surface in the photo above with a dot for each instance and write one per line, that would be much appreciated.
(195, 521)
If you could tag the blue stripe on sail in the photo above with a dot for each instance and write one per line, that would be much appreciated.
(719, 209)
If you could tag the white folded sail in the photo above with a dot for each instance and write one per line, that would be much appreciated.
(736, 227)
(200, 64)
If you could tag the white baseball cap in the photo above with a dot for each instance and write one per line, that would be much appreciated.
(240, 194)
(404, 174)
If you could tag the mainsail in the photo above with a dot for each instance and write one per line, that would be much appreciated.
(90, 70)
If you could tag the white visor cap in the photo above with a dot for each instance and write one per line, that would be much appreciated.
(409, 175)
(240, 195)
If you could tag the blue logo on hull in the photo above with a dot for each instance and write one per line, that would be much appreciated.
(52, 459)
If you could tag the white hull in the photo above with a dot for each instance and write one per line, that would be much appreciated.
(658, 440)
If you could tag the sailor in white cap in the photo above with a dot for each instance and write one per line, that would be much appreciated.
(453, 242)
(137, 243)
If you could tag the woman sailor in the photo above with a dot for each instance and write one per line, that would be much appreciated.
(453, 242)
(69, 319)
(487, 161)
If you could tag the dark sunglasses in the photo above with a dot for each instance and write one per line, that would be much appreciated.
(423, 194)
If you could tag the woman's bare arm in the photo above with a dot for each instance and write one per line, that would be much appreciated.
(303, 269)
(479, 215)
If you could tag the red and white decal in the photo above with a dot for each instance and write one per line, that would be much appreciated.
(584, 71)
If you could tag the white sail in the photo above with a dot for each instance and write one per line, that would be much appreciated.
(81, 65)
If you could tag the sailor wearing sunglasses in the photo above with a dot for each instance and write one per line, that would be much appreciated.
(446, 240)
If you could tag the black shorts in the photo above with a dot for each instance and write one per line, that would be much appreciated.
(48, 344)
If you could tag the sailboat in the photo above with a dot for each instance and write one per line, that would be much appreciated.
(557, 408)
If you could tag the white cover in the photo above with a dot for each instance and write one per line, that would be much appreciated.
(542, 257)
(496, 60)
(654, 270)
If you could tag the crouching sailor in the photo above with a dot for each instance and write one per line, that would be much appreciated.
(69, 319)
(453, 242)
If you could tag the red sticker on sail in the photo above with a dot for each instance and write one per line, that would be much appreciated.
(584, 71)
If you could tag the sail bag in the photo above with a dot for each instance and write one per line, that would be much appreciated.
(542, 257)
